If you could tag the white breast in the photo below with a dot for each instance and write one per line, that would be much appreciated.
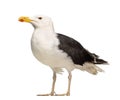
(45, 49)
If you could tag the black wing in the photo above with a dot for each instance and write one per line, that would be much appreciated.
(75, 50)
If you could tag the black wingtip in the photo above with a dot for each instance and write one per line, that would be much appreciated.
(101, 61)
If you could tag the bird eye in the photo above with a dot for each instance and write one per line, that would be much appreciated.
(40, 18)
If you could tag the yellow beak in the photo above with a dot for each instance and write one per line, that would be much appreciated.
(24, 19)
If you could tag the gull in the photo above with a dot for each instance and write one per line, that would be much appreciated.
(59, 51)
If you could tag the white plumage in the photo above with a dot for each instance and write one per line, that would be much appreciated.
(59, 51)
(45, 48)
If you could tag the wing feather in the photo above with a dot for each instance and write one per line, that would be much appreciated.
(74, 49)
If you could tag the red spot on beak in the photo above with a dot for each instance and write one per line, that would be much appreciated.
(21, 20)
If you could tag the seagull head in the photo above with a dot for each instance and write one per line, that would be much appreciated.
(37, 21)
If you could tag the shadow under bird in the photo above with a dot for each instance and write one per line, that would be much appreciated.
(59, 51)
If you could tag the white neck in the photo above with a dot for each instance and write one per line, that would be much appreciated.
(45, 36)
(45, 29)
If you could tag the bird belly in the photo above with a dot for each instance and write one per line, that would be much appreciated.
(52, 57)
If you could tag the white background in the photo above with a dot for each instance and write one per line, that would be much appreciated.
(94, 23)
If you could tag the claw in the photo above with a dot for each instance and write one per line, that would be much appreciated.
(64, 94)
(43, 94)
(49, 94)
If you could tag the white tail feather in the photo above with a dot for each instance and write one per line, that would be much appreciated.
(89, 67)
